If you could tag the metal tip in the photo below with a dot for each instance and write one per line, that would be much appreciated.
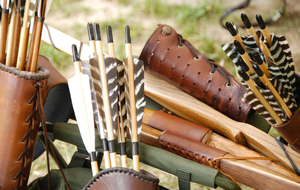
(231, 29)
(109, 34)
(75, 53)
(97, 32)
(91, 31)
(257, 69)
(257, 58)
(127, 35)
(244, 75)
(246, 21)
(239, 47)
(260, 22)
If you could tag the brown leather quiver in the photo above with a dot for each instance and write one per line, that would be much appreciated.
(171, 57)
(20, 95)
(123, 178)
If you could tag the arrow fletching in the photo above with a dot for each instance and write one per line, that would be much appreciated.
(79, 86)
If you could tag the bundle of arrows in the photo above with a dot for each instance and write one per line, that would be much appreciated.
(14, 33)
(265, 64)
(109, 93)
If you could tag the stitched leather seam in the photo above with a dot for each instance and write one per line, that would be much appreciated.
(116, 170)
(189, 154)
(27, 137)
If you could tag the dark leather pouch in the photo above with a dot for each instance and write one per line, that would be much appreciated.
(123, 178)
(20, 95)
(171, 57)
(290, 130)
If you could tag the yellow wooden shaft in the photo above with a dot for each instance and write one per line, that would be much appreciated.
(24, 39)
(11, 36)
(264, 68)
(266, 53)
(269, 85)
(239, 39)
(246, 59)
(266, 33)
(253, 33)
(263, 101)
(94, 166)
(111, 50)
(107, 159)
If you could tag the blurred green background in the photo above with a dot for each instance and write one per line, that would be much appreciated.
(196, 20)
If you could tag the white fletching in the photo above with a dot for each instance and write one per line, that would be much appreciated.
(82, 104)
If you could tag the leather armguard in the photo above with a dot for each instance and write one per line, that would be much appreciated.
(202, 78)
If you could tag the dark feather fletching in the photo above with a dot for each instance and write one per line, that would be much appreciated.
(122, 100)
(94, 70)
(112, 87)
(138, 70)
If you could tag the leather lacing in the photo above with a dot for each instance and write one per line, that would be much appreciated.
(212, 163)
(36, 100)
(196, 57)
(28, 135)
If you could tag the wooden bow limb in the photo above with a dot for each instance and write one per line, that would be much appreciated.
(245, 171)
(211, 139)
(190, 108)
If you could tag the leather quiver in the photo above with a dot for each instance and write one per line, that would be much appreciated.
(290, 131)
(170, 57)
(123, 178)
(179, 126)
(20, 93)
(190, 149)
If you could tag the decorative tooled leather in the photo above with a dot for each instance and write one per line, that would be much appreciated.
(164, 57)
(19, 123)
(190, 149)
(123, 178)
(177, 125)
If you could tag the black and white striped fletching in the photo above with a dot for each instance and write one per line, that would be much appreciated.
(112, 86)
(90, 68)
(284, 65)
(257, 106)
(140, 103)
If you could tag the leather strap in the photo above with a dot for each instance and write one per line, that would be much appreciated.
(123, 178)
(193, 72)
(177, 125)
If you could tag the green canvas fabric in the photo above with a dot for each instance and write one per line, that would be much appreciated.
(153, 156)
